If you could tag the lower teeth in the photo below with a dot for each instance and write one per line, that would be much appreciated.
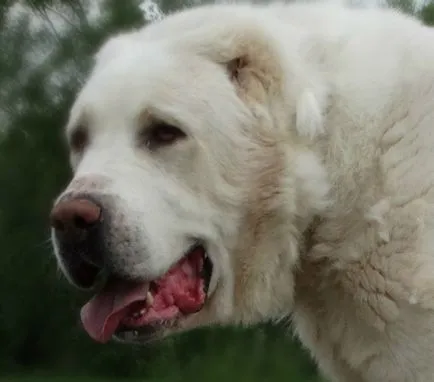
(139, 314)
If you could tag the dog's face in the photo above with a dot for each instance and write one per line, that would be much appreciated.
(183, 200)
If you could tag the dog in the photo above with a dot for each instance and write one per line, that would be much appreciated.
(238, 163)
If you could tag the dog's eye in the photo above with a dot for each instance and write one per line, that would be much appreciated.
(79, 139)
(163, 134)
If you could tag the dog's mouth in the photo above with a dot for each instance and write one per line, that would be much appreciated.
(123, 308)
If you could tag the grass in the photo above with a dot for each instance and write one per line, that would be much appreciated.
(214, 356)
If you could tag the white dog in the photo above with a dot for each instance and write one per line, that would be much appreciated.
(236, 163)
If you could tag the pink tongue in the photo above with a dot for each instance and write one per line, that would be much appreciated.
(102, 315)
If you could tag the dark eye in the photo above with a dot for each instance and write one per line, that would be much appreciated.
(162, 134)
(79, 139)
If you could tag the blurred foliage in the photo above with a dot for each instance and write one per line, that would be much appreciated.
(41, 68)
(427, 13)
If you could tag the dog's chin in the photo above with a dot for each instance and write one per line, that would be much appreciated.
(138, 312)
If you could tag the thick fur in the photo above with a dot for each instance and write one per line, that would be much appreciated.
(308, 171)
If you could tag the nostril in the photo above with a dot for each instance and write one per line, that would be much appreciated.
(80, 222)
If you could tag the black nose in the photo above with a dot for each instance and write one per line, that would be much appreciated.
(77, 226)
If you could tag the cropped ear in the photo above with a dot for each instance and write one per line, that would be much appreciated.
(235, 66)
(271, 64)
(251, 81)
(302, 89)
(242, 44)
(279, 74)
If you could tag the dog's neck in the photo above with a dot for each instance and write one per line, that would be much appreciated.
(355, 187)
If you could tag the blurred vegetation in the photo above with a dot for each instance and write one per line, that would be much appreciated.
(41, 68)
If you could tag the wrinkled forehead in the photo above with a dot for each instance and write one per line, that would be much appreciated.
(146, 80)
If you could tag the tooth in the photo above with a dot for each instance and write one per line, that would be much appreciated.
(135, 333)
(149, 298)
(142, 312)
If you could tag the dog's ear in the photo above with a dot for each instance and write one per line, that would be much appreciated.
(252, 59)
(263, 72)
(270, 64)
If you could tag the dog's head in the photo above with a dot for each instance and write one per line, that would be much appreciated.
(191, 183)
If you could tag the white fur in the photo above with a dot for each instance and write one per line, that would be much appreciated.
(308, 171)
